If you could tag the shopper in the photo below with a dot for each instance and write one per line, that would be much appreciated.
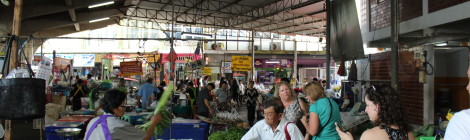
(459, 125)
(145, 93)
(273, 127)
(78, 91)
(323, 113)
(384, 108)
(191, 91)
(203, 106)
(122, 86)
(222, 96)
(234, 89)
(295, 108)
(113, 106)
(251, 102)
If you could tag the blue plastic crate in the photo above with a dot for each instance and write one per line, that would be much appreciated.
(50, 129)
(195, 131)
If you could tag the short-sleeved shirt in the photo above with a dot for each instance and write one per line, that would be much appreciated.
(201, 106)
(323, 108)
(118, 128)
(458, 128)
(221, 95)
(145, 92)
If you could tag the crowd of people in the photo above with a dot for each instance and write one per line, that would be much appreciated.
(285, 115)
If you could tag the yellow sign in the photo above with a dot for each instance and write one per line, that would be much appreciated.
(152, 58)
(207, 71)
(241, 63)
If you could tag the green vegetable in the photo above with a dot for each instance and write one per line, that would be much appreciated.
(233, 133)
(166, 116)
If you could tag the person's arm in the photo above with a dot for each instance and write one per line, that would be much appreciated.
(458, 128)
(313, 124)
(345, 135)
(253, 133)
(411, 136)
(304, 108)
(206, 102)
(153, 122)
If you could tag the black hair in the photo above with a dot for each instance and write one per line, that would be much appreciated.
(121, 79)
(163, 84)
(150, 80)
(190, 84)
(324, 81)
(89, 75)
(79, 81)
(274, 102)
(285, 79)
(222, 83)
(112, 99)
(315, 79)
(391, 111)
(212, 85)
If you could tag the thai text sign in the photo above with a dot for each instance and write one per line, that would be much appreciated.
(207, 71)
(131, 68)
(241, 63)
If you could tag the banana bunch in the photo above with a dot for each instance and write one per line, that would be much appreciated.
(449, 115)
(166, 116)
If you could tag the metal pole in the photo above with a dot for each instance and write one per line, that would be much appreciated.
(253, 55)
(394, 42)
(294, 72)
(329, 11)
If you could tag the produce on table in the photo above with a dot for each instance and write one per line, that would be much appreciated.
(233, 133)
(166, 116)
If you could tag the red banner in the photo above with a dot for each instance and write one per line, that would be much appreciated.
(130, 68)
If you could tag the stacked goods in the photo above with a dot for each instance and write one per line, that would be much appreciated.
(233, 133)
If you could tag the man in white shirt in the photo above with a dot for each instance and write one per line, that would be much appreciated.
(459, 125)
(273, 127)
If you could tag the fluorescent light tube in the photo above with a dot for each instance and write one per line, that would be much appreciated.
(101, 4)
(101, 19)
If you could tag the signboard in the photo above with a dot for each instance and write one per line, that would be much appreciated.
(207, 71)
(152, 58)
(227, 67)
(131, 68)
(198, 73)
(197, 64)
(84, 60)
(241, 63)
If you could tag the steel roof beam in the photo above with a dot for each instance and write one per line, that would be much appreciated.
(45, 8)
(273, 9)
(294, 18)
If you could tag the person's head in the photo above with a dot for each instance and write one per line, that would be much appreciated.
(206, 77)
(190, 84)
(223, 85)
(122, 82)
(285, 79)
(79, 81)
(88, 76)
(284, 92)
(163, 84)
(210, 86)
(77, 77)
(323, 83)
(113, 102)
(251, 84)
(150, 80)
(383, 106)
(273, 111)
(315, 80)
(314, 91)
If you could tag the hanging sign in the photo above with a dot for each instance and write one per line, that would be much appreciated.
(207, 71)
(152, 58)
(227, 67)
(131, 68)
(241, 63)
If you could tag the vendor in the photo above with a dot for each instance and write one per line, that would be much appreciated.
(79, 91)
(115, 128)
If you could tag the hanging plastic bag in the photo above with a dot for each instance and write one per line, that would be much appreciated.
(18, 73)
